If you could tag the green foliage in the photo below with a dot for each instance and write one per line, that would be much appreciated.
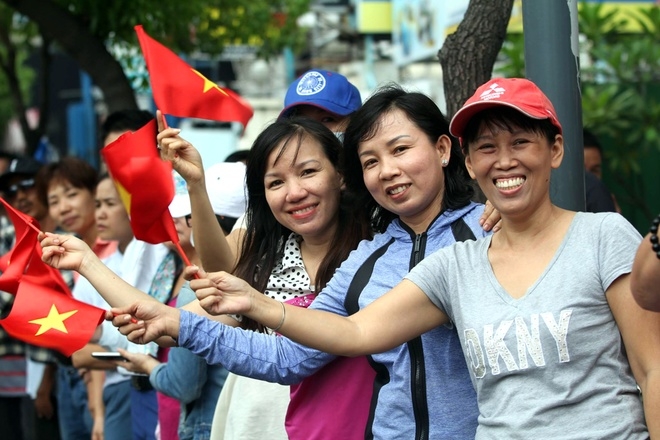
(203, 25)
(16, 35)
(6, 111)
(190, 26)
(620, 73)
(511, 60)
(621, 97)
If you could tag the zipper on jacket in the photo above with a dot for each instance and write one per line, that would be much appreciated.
(417, 256)
(417, 364)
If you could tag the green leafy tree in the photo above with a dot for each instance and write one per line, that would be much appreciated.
(15, 78)
(621, 101)
(85, 29)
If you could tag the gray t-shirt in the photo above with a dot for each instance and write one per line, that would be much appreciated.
(550, 364)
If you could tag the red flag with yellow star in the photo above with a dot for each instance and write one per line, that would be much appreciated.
(182, 91)
(144, 182)
(43, 317)
(44, 312)
(14, 262)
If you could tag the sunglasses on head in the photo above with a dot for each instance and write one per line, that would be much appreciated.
(23, 185)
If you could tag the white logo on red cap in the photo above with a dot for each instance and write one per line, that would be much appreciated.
(493, 92)
(310, 84)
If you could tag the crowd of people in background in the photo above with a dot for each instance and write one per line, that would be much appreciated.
(345, 284)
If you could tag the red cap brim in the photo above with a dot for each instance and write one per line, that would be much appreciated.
(463, 116)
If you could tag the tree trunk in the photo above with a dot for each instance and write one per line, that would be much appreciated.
(468, 55)
(89, 51)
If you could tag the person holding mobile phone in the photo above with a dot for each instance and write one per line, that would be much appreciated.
(178, 373)
(108, 356)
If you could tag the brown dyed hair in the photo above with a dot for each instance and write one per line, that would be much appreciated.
(73, 170)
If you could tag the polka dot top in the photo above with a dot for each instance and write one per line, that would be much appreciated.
(288, 279)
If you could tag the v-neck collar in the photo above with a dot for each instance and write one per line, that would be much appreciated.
(501, 291)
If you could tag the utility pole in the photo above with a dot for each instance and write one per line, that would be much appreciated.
(552, 59)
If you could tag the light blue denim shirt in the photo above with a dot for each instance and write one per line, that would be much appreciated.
(188, 378)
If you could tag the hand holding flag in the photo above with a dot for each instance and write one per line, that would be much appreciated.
(43, 313)
(145, 185)
(44, 317)
(181, 153)
(144, 182)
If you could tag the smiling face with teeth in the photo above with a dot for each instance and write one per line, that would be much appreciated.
(512, 164)
(303, 189)
(403, 169)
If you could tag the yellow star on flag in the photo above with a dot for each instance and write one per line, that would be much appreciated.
(54, 320)
(208, 84)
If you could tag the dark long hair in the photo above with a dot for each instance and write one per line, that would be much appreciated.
(422, 112)
(265, 237)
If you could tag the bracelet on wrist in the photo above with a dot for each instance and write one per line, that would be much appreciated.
(654, 236)
(279, 326)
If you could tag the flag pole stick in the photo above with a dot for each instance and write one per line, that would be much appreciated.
(20, 214)
(34, 228)
(162, 118)
(184, 257)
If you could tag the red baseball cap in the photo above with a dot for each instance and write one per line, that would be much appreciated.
(518, 93)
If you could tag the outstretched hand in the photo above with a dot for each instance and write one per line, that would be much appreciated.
(64, 251)
(221, 293)
(184, 157)
(145, 321)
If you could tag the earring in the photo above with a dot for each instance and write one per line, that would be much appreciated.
(445, 162)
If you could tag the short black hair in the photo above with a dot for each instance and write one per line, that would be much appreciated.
(238, 156)
(589, 140)
(124, 120)
(506, 118)
(74, 170)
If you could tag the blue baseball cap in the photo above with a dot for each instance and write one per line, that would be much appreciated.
(324, 89)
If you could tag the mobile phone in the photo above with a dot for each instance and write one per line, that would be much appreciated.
(108, 356)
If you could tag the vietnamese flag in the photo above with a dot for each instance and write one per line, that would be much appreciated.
(43, 317)
(14, 262)
(182, 91)
(44, 313)
(144, 182)
(46, 275)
